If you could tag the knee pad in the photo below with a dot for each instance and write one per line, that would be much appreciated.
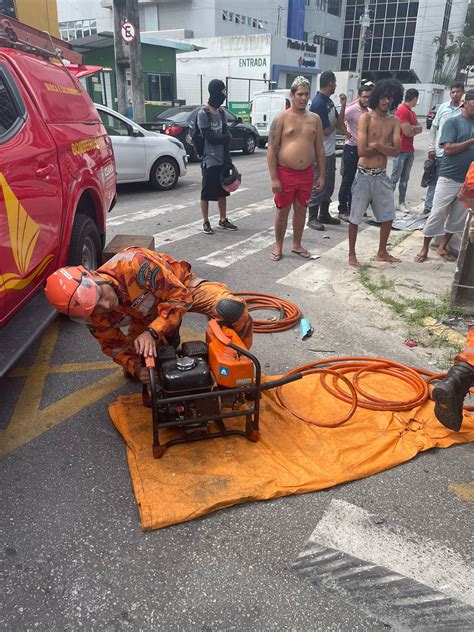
(229, 309)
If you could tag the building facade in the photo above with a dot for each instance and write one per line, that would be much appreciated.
(399, 40)
(319, 22)
(81, 19)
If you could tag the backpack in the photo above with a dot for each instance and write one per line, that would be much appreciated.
(196, 137)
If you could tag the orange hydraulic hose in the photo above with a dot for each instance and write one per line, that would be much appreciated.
(338, 367)
(290, 313)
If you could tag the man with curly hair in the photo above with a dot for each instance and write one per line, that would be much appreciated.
(378, 138)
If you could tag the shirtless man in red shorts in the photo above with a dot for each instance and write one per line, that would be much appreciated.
(295, 142)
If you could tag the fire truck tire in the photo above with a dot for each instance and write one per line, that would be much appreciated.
(164, 174)
(85, 248)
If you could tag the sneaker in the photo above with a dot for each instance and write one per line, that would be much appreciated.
(315, 225)
(206, 227)
(329, 219)
(344, 217)
(403, 208)
(426, 211)
(225, 223)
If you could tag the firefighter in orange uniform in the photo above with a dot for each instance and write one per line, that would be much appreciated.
(146, 292)
(449, 394)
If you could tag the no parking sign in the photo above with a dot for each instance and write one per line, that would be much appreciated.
(127, 31)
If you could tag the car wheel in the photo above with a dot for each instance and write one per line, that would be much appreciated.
(262, 143)
(85, 248)
(164, 174)
(250, 144)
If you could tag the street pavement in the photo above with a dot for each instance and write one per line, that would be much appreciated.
(73, 553)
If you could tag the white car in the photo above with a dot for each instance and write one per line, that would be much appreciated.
(141, 155)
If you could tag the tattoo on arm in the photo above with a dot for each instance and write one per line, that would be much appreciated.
(272, 132)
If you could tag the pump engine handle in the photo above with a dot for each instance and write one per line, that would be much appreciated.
(216, 329)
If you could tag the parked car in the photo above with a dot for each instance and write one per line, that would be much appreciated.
(265, 106)
(178, 122)
(57, 184)
(430, 116)
(142, 155)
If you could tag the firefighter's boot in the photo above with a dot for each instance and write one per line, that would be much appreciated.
(449, 394)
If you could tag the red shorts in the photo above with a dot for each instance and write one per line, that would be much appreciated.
(296, 185)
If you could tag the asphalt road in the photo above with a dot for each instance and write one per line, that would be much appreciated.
(73, 553)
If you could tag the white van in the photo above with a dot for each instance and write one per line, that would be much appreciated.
(265, 106)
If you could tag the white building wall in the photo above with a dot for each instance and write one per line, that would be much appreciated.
(319, 22)
(85, 10)
(428, 26)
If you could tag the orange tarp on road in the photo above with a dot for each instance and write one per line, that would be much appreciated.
(291, 457)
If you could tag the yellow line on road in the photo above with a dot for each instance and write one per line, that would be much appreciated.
(464, 491)
(31, 424)
(71, 367)
(453, 337)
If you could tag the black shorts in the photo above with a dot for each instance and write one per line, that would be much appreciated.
(212, 189)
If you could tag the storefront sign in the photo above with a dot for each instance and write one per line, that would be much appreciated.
(240, 108)
(303, 46)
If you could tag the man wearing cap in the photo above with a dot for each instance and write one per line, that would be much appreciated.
(146, 292)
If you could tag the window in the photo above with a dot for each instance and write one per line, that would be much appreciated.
(334, 7)
(330, 46)
(77, 28)
(413, 9)
(9, 113)
(160, 87)
(114, 125)
(391, 10)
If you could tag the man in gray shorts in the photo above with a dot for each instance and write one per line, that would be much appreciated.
(378, 137)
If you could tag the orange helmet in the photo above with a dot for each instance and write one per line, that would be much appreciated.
(72, 291)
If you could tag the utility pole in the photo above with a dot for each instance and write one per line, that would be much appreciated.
(364, 21)
(128, 56)
(279, 10)
(121, 55)
(136, 71)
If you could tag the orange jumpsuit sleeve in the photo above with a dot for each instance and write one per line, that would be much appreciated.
(115, 344)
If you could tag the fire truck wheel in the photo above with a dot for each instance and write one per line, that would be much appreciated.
(85, 248)
(164, 174)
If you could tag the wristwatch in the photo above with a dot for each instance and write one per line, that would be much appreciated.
(152, 333)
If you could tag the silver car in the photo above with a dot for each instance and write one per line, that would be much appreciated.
(141, 155)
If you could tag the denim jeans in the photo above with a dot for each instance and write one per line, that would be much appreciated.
(350, 158)
(401, 168)
(322, 198)
(430, 191)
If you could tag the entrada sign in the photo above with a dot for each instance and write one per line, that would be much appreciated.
(252, 62)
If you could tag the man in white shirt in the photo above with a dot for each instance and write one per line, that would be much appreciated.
(445, 111)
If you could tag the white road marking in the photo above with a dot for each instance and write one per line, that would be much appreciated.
(354, 531)
(312, 276)
(138, 216)
(179, 233)
(235, 252)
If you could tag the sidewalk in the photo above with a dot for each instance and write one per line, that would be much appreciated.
(418, 293)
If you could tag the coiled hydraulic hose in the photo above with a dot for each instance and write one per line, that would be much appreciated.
(359, 397)
(290, 313)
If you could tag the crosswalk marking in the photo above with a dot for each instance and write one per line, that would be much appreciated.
(184, 231)
(235, 252)
(138, 216)
(313, 275)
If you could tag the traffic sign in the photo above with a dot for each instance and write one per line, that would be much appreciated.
(128, 31)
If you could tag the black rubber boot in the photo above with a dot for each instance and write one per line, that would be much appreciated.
(325, 217)
(313, 218)
(449, 394)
